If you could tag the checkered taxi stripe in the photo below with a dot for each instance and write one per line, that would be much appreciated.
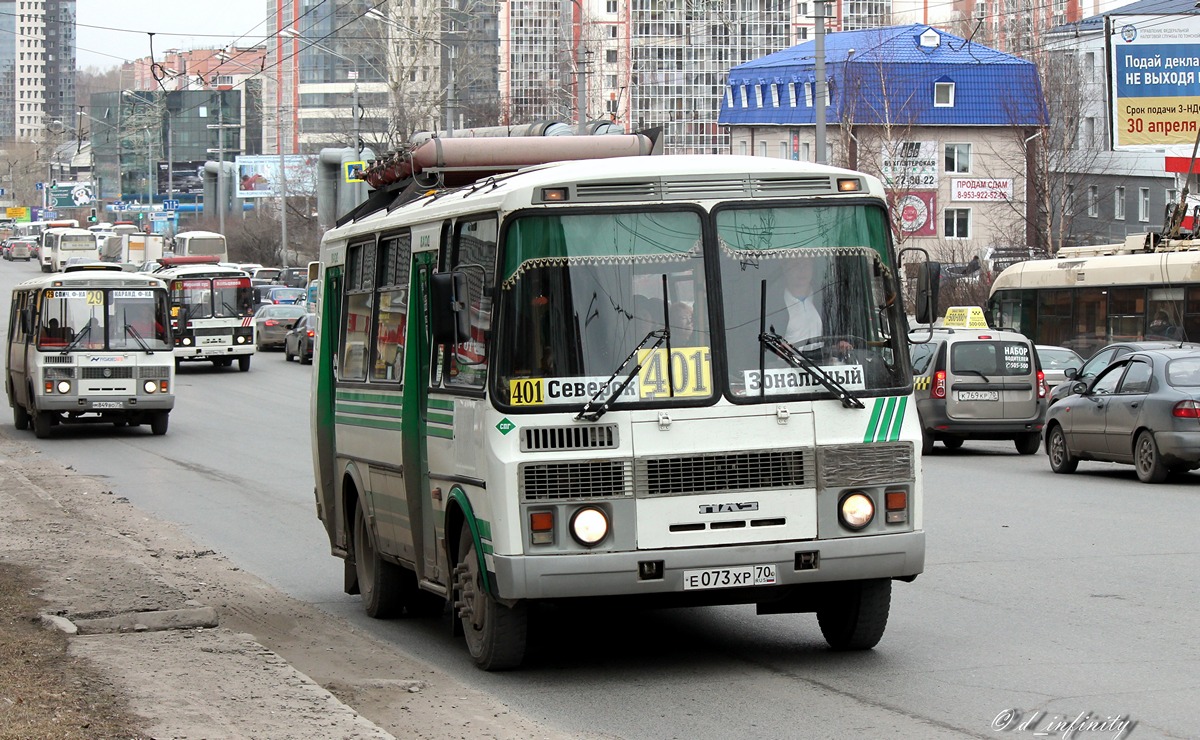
(921, 383)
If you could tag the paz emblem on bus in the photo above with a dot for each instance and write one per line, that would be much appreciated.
(728, 508)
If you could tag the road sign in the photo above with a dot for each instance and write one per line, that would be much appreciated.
(170, 205)
(2, 191)
(161, 216)
(41, 186)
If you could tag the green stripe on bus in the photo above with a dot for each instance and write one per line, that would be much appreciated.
(889, 408)
(870, 435)
(440, 403)
(389, 398)
(354, 408)
(485, 529)
(373, 423)
(440, 418)
(444, 433)
(895, 435)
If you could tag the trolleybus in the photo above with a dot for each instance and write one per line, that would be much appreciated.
(510, 405)
(90, 345)
(212, 311)
(1087, 297)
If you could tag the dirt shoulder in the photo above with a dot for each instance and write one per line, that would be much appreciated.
(271, 667)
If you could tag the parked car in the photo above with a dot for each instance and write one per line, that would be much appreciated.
(271, 324)
(299, 340)
(1103, 357)
(1142, 410)
(973, 383)
(1055, 361)
(281, 295)
(293, 277)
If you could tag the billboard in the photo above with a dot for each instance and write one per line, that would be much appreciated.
(258, 176)
(70, 195)
(910, 165)
(187, 178)
(1154, 78)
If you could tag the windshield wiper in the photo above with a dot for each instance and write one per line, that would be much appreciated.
(792, 356)
(137, 335)
(232, 310)
(592, 412)
(972, 371)
(75, 340)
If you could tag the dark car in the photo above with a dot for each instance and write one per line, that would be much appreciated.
(298, 342)
(271, 324)
(1141, 410)
(1102, 358)
(293, 277)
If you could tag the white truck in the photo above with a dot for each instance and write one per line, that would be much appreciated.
(60, 245)
(132, 248)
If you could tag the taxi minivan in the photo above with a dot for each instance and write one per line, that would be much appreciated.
(974, 382)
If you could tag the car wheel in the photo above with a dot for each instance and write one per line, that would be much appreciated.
(1061, 459)
(1148, 461)
(378, 580)
(495, 633)
(926, 442)
(855, 614)
(1028, 444)
(952, 443)
(287, 355)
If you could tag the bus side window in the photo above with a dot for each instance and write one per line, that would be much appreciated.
(474, 255)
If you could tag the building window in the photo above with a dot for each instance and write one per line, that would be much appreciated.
(792, 93)
(745, 100)
(610, 56)
(802, 9)
(1143, 204)
(806, 152)
(803, 34)
(1089, 66)
(611, 7)
(762, 148)
(1119, 203)
(1093, 204)
(958, 158)
(1172, 196)
(1089, 133)
(742, 148)
(612, 32)
(1069, 206)
(808, 94)
(785, 151)
(775, 95)
(943, 95)
(758, 96)
(958, 223)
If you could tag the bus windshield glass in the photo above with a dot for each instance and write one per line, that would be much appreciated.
(581, 292)
(819, 278)
(95, 318)
(203, 298)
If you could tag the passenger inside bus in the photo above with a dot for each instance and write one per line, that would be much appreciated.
(1161, 327)
(52, 333)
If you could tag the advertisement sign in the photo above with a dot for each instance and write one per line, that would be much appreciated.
(17, 214)
(980, 189)
(916, 213)
(1154, 69)
(258, 176)
(187, 178)
(70, 195)
(910, 165)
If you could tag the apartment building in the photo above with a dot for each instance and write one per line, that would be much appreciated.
(37, 67)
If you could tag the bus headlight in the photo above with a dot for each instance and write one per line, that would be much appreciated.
(150, 386)
(589, 526)
(64, 386)
(187, 341)
(241, 339)
(856, 511)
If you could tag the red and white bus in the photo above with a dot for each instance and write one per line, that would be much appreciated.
(212, 311)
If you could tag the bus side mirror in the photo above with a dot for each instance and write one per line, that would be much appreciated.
(929, 278)
(448, 307)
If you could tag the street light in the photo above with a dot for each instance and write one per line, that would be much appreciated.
(294, 34)
(451, 55)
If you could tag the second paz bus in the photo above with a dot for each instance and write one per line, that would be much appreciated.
(588, 379)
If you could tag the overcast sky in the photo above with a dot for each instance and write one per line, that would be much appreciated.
(175, 25)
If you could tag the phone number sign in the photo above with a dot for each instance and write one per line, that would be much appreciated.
(980, 189)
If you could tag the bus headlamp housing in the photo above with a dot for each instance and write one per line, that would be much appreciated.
(150, 386)
(187, 341)
(856, 510)
(64, 386)
(589, 526)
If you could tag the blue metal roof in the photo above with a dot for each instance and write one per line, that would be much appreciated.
(885, 75)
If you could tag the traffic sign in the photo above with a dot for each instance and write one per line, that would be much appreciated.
(170, 204)
(41, 186)
(2, 191)
(161, 216)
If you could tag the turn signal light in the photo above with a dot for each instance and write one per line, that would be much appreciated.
(541, 526)
(939, 384)
(848, 185)
(896, 506)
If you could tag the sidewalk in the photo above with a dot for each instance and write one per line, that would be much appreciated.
(142, 600)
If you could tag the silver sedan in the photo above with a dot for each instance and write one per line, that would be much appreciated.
(1142, 410)
(272, 322)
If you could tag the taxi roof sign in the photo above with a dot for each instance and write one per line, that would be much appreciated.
(965, 317)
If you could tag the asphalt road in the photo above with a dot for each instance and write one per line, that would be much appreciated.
(1058, 598)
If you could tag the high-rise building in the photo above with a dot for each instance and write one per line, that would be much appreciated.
(37, 67)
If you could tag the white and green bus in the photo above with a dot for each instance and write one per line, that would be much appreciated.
(89, 345)
(575, 381)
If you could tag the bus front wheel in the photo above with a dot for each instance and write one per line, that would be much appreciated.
(42, 421)
(856, 614)
(158, 422)
(495, 633)
(244, 363)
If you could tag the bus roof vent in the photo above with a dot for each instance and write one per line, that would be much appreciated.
(592, 437)
(776, 186)
(710, 187)
(620, 191)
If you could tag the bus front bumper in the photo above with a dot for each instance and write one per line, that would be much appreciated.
(106, 404)
(900, 555)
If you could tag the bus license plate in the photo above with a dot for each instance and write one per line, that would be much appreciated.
(107, 405)
(979, 395)
(749, 575)
(214, 340)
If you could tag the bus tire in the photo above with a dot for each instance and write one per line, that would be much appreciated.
(1029, 443)
(378, 580)
(495, 633)
(244, 363)
(158, 422)
(20, 417)
(856, 614)
(42, 421)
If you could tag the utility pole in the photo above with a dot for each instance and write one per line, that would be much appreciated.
(819, 92)
(283, 242)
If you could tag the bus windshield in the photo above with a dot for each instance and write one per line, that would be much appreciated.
(203, 298)
(108, 318)
(818, 277)
(581, 292)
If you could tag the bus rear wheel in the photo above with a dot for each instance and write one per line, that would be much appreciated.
(495, 633)
(856, 614)
(20, 417)
(378, 580)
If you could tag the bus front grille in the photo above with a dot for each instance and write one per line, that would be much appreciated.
(866, 464)
(595, 437)
(732, 471)
(105, 373)
(574, 480)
